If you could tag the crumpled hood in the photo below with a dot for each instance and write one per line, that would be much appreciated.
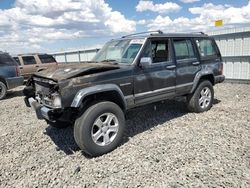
(64, 71)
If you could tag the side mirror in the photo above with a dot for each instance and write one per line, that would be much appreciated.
(145, 62)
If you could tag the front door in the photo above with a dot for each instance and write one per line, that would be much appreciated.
(156, 81)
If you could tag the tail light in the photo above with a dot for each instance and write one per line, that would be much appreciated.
(17, 71)
(221, 68)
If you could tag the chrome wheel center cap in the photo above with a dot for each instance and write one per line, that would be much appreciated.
(104, 129)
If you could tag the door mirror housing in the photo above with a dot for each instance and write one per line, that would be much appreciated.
(145, 62)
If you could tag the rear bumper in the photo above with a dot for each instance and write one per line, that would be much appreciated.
(219, 79)
(14, 82)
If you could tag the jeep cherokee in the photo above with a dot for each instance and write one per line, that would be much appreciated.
(128, 72)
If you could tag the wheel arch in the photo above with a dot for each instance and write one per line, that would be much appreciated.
(203, 75)
(108, 92)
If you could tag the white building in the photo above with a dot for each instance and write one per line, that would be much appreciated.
(234, 45)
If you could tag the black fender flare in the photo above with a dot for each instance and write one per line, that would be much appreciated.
(198, 77)
(83, 93)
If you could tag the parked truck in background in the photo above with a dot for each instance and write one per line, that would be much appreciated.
(31, 63)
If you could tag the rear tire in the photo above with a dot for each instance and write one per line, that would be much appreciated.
(100, 128)
(3, 90)
(202, 98)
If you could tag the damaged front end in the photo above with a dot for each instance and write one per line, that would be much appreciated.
(51, 92)
(43, 95)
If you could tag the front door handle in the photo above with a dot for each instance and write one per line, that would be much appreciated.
(170, 67)
(196, 63)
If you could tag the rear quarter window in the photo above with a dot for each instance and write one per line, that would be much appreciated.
(6, 59)
(17, 60)
(206, 47)
(47, 58)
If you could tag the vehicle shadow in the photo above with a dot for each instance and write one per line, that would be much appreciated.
(145, 118)
(63, 139)
(138, 120)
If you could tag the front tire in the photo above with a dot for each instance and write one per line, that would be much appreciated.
(3, 90)
(202, 98)
(100, 129)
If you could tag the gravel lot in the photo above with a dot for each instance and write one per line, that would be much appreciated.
(164, 146)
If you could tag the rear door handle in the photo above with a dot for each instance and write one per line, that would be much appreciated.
(37, 65)
(20, 67)
(196, 63)
(170, 67)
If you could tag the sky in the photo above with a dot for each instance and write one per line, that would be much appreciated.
(29, 26)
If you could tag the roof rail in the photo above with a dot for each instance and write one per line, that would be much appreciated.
(30, 54)
(200, 32)
(151, 32)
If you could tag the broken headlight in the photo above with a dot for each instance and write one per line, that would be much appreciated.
(53, 100)
(56, 100)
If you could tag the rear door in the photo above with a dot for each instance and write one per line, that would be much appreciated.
(209, 54)
(187, 64)
(157, 81)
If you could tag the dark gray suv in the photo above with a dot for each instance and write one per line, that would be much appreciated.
(9, 74)
(128, 72)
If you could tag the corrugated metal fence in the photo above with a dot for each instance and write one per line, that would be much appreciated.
(234, 45)
(75, 56)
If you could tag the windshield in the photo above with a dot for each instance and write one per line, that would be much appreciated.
(119, 51)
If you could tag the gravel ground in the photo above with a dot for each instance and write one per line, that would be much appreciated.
(164, 146)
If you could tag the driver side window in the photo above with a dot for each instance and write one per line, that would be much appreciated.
(158, 50)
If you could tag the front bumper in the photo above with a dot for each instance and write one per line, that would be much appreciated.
(219, 79)
(14, 82)
(42, 112)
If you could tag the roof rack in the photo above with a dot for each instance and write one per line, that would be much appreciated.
(200, 32)
(30, 54)
(151, 33)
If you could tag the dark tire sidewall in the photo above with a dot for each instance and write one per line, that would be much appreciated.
(201, 86)
(3, 89)
(83, 128)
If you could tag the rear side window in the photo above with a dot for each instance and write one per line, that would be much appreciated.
(183, 49)
(47, 58)
(17, 60)
(6, 59)
(206, 47)
(29, 60)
